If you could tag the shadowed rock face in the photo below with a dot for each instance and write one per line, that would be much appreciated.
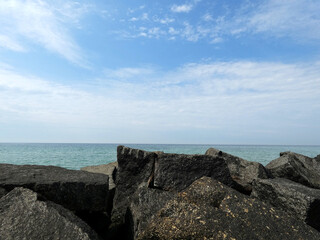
(302, 202)
(297, 168)
(135, 168)
(241, 170)
(23, 216)
(2, 192)
(75, 190)
(174, 172)
(210, 210)
(146, 202)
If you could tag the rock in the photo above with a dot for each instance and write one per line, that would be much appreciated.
(135, 168)
(241, 170)
(294, 198)
(296, 167)
(109, 169)
(75, 190)
(208, 209)
(23, 216)
(175, 172)
(2, 192)
(317, 158)
(139, 169)
(84, 193)
(146, 202)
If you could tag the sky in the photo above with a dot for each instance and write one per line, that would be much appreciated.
(178, 71)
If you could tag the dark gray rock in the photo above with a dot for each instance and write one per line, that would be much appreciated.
(2, 192)
(109, 169)
(241, 170)
(294, 198)
(296, 167)
(317, 158)
(210, 210)
(135, 170)
(75, 190)
(139, 169)
(146, 202)
(84, 193)
(174, 172)
(23, 216)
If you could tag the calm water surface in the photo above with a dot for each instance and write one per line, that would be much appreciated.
(75, 156)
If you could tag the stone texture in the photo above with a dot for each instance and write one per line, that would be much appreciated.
(175, 172)
(146, 202)
(75, 190)
(23, 216)
(2, 192)
(210, 210)
(296, 167)
(241, 170)
(294, 198)
(135, 168)
(109, 169)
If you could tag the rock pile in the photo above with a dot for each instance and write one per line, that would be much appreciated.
(156, 195)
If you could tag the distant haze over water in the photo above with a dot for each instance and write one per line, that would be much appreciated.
(75, 156)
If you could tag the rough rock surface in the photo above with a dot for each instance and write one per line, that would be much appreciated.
(210, 210)
(75, 190)
(241, 170)
(174, 172)
(135, 168)
(23, 216)
(109, 169)
(146, 202)
(300, 201)
(2, 192)
(296, 167)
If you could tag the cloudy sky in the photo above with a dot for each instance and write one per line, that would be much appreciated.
(184, 71)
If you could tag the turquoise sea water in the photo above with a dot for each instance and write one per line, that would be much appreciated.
(75, 156)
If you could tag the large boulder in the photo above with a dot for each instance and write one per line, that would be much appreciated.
(241, 170)
(174, 172)
(135, 169)
(109, 169)
(296, 167)
(300, 201)
(23, 216)
(209, 209)
(75, 190)
(144, 176)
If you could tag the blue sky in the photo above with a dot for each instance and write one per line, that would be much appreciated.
(191, 71)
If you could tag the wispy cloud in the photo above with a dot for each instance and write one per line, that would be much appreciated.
(43, 23)
(298, 20)
(185, 8)
(12, 44)
(221, 97)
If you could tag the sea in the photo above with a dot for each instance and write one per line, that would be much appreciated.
(76, 156)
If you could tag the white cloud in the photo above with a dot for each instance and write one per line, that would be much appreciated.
(185, 8)
(298, 19)
(295, 19)
(218, 97)
(42, 23)
(207, 17)
(12, 44)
